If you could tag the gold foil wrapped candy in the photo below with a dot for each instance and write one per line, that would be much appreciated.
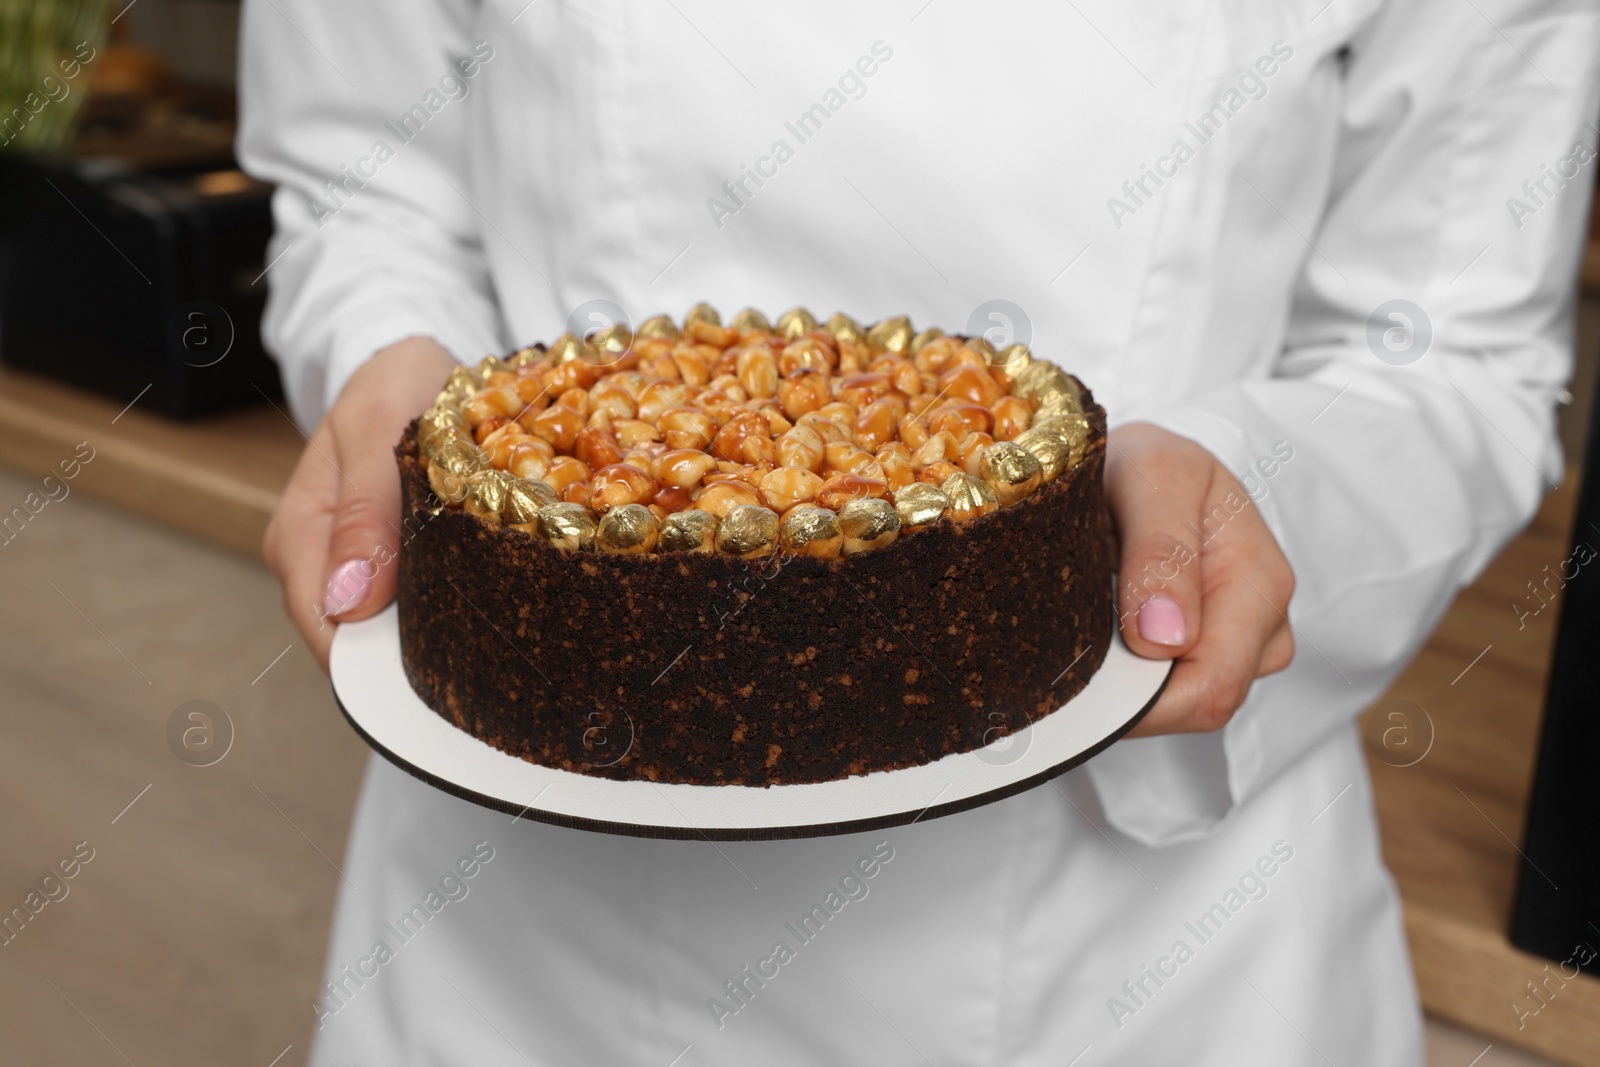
(1050, 386)
(463, 382)
(566, 348)
(567, 526)
(491, 364)
(486, 494)
(610, 344)
(1072, 428)
(981, 345)
(524, 498)
(925, 338)
(750, 319)
(439, 424)
(628, 529)
(1065, 402)
(689, 531)
(796, 322)
(524, 356)
(1050, 448)
(449, 488)
(1010, 470)
(868, 523)
(449, 468)
(969, 497)
(891, 335)
(750, 530)
(843, 328)
(448, 400)
(807, 530)
(702, 312)
(660, 326)
(920, 504)
(460, 457)
(1012, 360)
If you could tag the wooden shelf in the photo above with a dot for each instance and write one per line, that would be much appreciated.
(217, 478)
(1449, 821)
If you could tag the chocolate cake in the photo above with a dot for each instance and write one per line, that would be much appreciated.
(753, 554)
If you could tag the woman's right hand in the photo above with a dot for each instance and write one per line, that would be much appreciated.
(335, 538)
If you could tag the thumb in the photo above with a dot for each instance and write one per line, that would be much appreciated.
(1155, 506)
(363, 544)
(364, 541)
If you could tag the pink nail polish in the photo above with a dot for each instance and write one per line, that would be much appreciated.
(1161, 622)
(348, 585)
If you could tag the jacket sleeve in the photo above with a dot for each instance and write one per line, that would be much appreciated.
(358, 111)
(1422, 442)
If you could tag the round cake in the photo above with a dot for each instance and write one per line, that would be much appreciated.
(753, 553)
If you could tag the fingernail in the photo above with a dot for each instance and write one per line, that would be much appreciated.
(1161, 622)
(348, 585)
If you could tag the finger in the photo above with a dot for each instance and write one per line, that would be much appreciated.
(296, 542)
(1155, 498)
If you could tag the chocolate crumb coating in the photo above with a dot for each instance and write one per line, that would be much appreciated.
(778, 669)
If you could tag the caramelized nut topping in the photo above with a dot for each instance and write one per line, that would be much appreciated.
(699, 437)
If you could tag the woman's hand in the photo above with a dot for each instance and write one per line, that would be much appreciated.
(335, 538)
(1201, 578)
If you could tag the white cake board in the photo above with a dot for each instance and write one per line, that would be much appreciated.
(375, 696)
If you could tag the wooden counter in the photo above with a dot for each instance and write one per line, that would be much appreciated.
(1449, 821)
(1453, 821)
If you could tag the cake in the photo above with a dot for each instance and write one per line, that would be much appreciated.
(753, 553)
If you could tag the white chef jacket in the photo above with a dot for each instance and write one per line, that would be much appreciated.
(1204, 210)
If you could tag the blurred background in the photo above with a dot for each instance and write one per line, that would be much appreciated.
(168, 739)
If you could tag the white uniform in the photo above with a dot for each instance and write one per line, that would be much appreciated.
(1205, 211)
